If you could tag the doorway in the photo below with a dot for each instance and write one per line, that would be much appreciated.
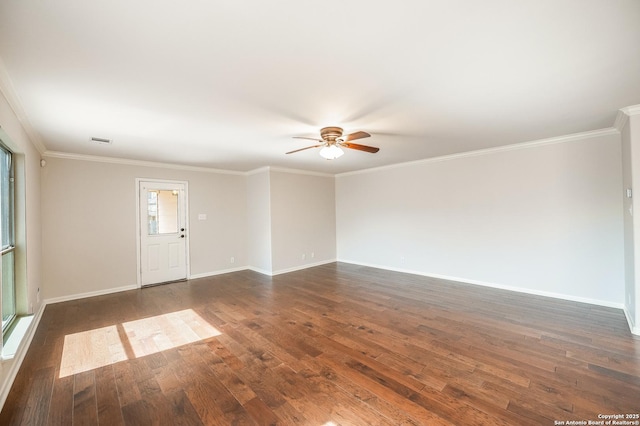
(162, 231)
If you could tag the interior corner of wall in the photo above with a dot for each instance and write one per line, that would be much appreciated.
(633, 326)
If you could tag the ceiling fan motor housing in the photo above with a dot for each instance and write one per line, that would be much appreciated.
(330, 134)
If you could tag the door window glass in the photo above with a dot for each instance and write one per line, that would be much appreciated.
(162, 211)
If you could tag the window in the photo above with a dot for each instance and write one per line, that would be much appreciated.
(7, 240)
(162, 211)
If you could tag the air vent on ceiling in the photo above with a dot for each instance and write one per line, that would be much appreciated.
(102, 141)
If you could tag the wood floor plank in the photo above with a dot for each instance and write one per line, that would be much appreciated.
(231, 381)
(17, 398)
(333, 344)
(107, 401)
(350, 389)
(128, 391)
(388, 395)
(207, 387)
(261, 413)
(182, 411)
(61, 410)
(39, 400)
(254, 373)
(85, 409)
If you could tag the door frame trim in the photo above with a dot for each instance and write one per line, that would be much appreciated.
(187, 259)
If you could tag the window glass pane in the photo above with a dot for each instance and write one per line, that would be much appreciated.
(162, 211)
(6, 238)
(152, 212)
(8, 289)
(6, 202)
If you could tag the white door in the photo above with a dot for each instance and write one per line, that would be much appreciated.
(163, 248)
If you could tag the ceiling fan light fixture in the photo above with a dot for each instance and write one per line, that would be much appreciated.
(331, 152)
(332, 143)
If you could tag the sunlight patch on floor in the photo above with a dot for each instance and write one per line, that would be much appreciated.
(97, 348)
(91, 349)
(151, 335)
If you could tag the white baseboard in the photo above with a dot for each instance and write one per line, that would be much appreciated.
(260, 271)
(16, 362)
(562, 296)
(191, 277)
(213, 273)
(91, 294)
(301, 267)
(632, 325)
(295, 268)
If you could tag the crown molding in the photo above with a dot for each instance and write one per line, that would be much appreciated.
(7, 89)
(300, 172)
(142, 163)
(139, 163)
(623, 116)
(513, 147)
(631, 110)
(621, 120)
(258, 170)
(286, 170)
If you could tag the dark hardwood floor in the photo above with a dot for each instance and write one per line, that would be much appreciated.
(335, 344)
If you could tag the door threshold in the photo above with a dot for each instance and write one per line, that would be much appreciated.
(164, 282)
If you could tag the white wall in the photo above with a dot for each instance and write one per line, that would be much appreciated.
(635, 161)
(213, 242)
(89, 223)
(631, 177)
(303, 221)
(544, 219)
(28, 259)
(630, 299)
(265, 221)
(28, 227)
(259, 221)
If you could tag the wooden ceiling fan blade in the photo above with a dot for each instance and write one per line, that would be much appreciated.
(302, 149)
(356, 135)
(359, 147)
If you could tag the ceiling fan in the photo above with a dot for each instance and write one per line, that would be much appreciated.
(332, 141)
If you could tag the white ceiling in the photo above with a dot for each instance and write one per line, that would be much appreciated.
(226, 84)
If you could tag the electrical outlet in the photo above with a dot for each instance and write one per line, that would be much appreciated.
(232, 260)
(304, 256)
(313, 255)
